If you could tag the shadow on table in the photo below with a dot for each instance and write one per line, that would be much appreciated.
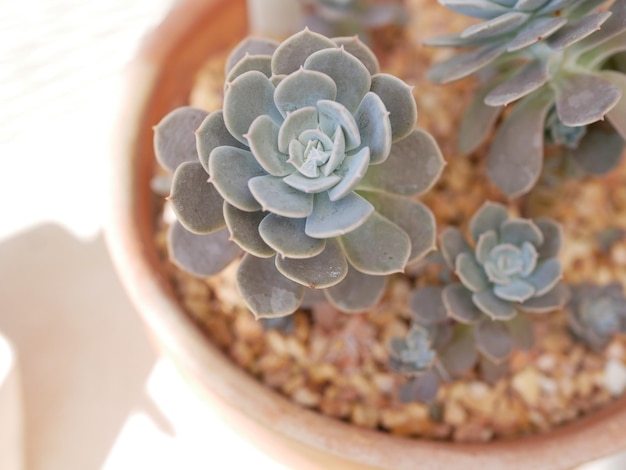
(83, 353)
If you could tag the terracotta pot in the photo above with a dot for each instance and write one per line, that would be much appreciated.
(160, 80)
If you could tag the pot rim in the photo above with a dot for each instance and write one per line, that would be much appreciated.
(128, 231)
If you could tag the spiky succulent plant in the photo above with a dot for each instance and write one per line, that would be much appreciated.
(349, 17)
(596, 313)
(310, 169)
(554, 56)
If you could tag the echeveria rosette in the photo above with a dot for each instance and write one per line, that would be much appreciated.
(597, 312)
(311, 168)
(511, 266)
(563, 75)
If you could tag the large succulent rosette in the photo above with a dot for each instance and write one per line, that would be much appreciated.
(554, 56)
(310, 169)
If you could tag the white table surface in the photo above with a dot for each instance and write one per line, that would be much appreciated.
(94, 393)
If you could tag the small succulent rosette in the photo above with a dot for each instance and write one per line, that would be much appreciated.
(554, 56)
(512, 266)
(310, 169)
(596, 313)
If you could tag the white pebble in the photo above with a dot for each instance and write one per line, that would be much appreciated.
(615, 377)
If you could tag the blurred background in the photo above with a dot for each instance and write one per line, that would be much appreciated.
(80, 385)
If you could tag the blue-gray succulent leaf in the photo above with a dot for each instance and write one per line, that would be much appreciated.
(552, 238)
(522, 331)
(490, 216)
(413, 167)
(398, 99)
(545, 277)
(174, 137)
(427, 306)
(251, 46)
(518, 231)
(357, 292)
(452, 243)
(297, 122)
(617, 115)
(460, 354)
(274, 195)
(478, 121)
(535, 31)
(533, 76)
(262, 138)
(577, 31)
(247, 97)
(493, 306)
(458, 303)
(232, 168)
(320, 271)
(483, 9)
(372, 119)
(195, 201)
(337, 152)
(200, 255)
(612, 28)
(365, 252)
(352, 78)
(244, 230)
(350, 173)
(333, 218)
(212, 133)
(333, 115)
(358, 49)
(555, 299)
(517, 290)
(494, 340)
(464, 64)
(286, 236)
(310, 184)
(515, 158)
(259, 63)
(471, 274)
(293, 52)
(582, 99)
(302, 89)
(267, 293)
(410, 215)
(497, 26)
(486, 242)
(600, 150)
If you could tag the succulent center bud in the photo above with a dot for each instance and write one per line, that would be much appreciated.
(507, 262)
(315, 156)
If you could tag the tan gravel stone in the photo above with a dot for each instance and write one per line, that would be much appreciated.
(526, 384)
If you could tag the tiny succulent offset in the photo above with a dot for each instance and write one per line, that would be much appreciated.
(310, 169)
(555, 57)
(596, 313)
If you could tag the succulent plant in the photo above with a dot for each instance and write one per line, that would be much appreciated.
(413, 354)
(596, 313)
(554, 56)
(511, 267)
(310, 169)
(349, 17)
